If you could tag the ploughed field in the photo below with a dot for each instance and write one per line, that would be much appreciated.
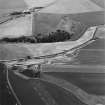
(87, 70)
(73, 83)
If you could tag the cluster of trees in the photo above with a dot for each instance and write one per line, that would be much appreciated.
(57, 36)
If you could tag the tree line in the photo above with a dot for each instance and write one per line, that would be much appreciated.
(57, 36)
